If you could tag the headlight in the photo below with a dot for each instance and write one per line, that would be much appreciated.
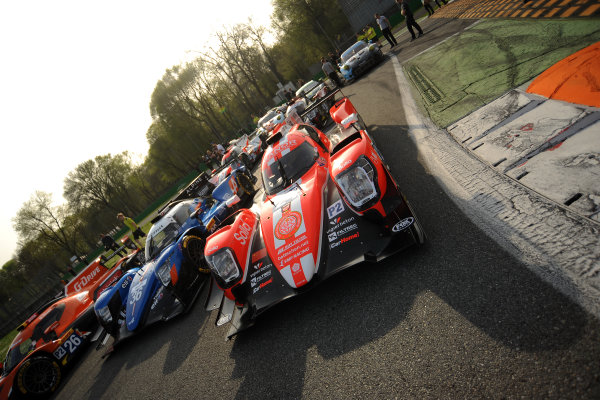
(372, 47)
(357, 183)
(164, 272)
(224, 265)
(104, 315)
(345, 68)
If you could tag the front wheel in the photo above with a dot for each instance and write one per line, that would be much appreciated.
(246, 184)
(246, 160)
(193, 250)
(38, 377)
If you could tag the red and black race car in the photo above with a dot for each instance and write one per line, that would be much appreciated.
(51, 338)
(326, 207)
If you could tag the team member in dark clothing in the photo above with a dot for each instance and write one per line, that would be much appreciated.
(410, 18)
(110, 244)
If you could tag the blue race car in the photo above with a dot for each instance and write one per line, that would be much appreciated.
(175, 269)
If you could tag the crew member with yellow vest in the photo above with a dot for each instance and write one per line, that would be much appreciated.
(135, 229)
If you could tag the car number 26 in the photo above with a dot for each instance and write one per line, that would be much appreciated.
(69, 346)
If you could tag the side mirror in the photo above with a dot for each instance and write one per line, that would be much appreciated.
(349, 120)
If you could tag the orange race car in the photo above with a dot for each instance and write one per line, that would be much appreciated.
(49, 339)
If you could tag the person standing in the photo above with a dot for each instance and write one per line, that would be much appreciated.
(410, 18)
(135, 229)
(330, 71)
(110, 244)
(384, 25)
(427, 6)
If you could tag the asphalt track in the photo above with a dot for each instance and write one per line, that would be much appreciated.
(457, 318)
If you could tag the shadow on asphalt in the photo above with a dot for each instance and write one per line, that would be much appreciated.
(184, 332)
(496, 293)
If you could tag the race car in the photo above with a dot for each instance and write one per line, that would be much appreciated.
(306, 104)
(326, 207)
(234, 174)
(174, 273)
(359, 58)
(50, 339)
(247, 151)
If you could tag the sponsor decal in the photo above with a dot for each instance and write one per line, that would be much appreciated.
(343, 165)
(233, 185)
(157, 298)
(341, 232)
(243, 232)
(349, 238)
(214, 248)
(259, 278)
(127, 281)
(84, 280)
(344, 240)
(136, 292)
(287, 247)
(298, 274)
(288, 224)
(321, 161)
(339, 224)
(262, 285)
(402, 225)
(335, 209)
(69, 346)
(282, 146)
(293, 250)
(335, 221)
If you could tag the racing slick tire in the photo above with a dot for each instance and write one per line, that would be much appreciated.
(416, 228)
(246, 184)
(193, 250)
(38, 377)
(246, 160)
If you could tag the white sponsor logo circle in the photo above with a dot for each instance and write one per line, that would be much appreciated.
(402, 225)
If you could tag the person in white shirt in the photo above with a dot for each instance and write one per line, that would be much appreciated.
(330, 71)
(384, 25)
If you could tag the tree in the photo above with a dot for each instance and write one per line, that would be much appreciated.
(101, 181)
(39, 220)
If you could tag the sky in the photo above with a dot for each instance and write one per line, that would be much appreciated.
(76, 79)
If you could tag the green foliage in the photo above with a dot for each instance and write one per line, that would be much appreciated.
(5, 343)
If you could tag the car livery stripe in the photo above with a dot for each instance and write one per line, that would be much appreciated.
(299, 273)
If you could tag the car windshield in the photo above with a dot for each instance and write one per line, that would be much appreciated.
(352, 50)
(290, 167)
(161, 239)
(17, 354)
(307, 88)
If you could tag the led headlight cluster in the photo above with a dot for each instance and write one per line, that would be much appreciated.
(357, 183)
(224, 265)
(164, 272)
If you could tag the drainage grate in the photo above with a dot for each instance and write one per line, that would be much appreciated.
(428, 90)
(522, 175)
(573, 199)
